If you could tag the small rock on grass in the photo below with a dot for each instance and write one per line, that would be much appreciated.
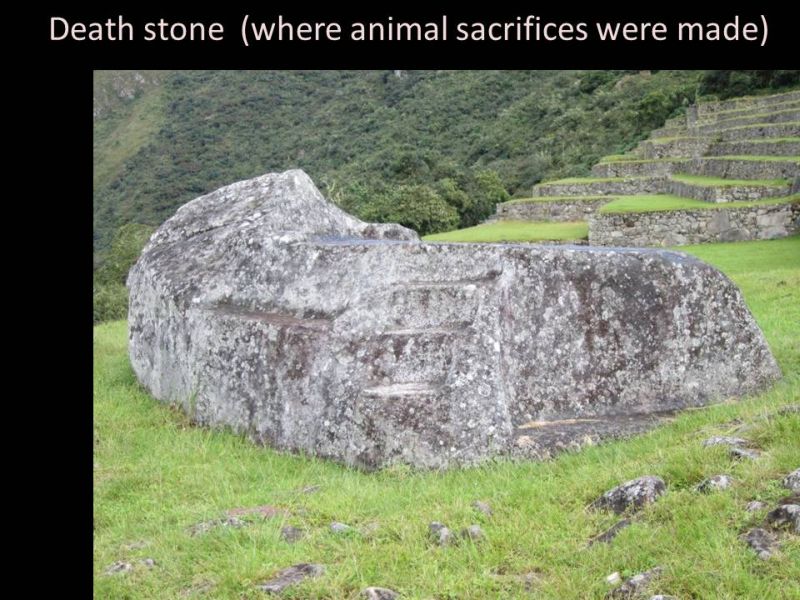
(340, 527)
(291, 534)
(755, 506)
(379, 593)
(763, 543)
(744, 453)
(291, 576)
(482, 507)
(786, 516)
(265, 511)
(614, 578)
(662, 597)
(631, 495)
(724, 440)
(148, 563)
(206, 526)
(792, 481)
(789, 409)
(473, 532)
(715, 484)
(118, 568)
(440, 534)
(635, 585)
(610, 533)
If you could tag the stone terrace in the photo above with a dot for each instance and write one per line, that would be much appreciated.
(725, 155)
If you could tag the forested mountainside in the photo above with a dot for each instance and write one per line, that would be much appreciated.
(433, 150)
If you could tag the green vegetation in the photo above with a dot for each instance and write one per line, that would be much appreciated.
(361, 134)
(729, 84)
(155, 475)
(110, 296)
(720, 182)
(658, 202)
(515, 231)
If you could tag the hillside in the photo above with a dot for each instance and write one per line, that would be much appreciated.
(162, 138)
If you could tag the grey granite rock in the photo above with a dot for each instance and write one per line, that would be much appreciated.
(379, 593)
(761, 541)
(482, 507)
(610, 533)
(792, 481)
(290, 534)
(440, 534)
(785, 516)
(636, 585)
(291, 576)
(340, 528)
(265, 308)
(755, 506)
(724, 440)
(473, 532)
(631, 495)
(744, 453)
(118, 568)
(715, 483)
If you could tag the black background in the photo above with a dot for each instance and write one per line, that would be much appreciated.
(55, 252)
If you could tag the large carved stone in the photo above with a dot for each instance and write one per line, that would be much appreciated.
(265, 308)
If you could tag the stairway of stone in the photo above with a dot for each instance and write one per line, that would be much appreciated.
(743, 149)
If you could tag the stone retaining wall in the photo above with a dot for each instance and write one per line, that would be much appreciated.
(726, 193)
(626, 187)
(739, 148)
(561, 210)
(676, 228)
(634, 168)
(742, 169)
(765, 131)
(778, 117)
(679, 147)
(706, 108)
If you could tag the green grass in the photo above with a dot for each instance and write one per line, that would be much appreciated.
(613, 158)
(664, 202)
(720, 182)
(539, 199)
(515, 231)
(757, 158)
(155, 475)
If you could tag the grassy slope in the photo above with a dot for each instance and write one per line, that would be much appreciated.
(155, 475)
(515, 231)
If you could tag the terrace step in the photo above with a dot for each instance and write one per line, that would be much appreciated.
(784, 116)
(708, 108)
(625, 186)
(735, 167)
(677, 147)
(560, 209)
(757, 131)
(711, 189)
(639, 167)
(762, 147)
(748, 112)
